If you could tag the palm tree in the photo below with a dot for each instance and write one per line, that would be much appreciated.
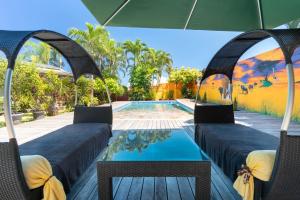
(41, 52)
(115, 59)
(107, 53)
(164, 64)
(160, 60)
(93, 39)
(150, 57)
(136, 49)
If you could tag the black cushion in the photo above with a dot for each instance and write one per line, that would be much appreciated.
(70, 150)
(99, 114)
(205, 113)
(228, 145)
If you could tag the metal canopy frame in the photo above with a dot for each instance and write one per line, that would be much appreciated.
(11, 43)
(227, 57)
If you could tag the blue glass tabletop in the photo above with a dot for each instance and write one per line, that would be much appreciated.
(153, 145)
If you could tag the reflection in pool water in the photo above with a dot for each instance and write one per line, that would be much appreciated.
(156, 145)
(135, 140)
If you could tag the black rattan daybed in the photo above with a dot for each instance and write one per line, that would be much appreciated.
(71, 149)
(228, 144)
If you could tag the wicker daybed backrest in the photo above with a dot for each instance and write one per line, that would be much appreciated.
(12, 182)
(285, 181)
(12, 185)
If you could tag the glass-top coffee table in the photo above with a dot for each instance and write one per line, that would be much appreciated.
(153, 153)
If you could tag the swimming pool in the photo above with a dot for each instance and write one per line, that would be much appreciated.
(160, 106)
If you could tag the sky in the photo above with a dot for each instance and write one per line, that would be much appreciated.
(192, 48)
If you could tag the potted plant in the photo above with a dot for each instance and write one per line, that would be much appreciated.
(38, 111)
(17, 117)
(39, 98)
(16, 114)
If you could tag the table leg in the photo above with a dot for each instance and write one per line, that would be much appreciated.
(105, 188)
(202, 188)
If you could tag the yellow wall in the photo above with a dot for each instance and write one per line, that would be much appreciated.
(160, 92)
(262, 98)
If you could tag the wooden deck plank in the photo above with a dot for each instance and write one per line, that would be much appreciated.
(160, 188)
(123, 190)
(135, 191)
(185, 190)
(172, 188)
(148, 189)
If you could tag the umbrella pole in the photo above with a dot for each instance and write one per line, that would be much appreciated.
(7, 104)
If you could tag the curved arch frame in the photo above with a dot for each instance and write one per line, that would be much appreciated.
(79, 60)
(226, 58)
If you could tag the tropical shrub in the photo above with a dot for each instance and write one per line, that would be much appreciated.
(3, 65)
(140, 82)
(115, 88)
(85, 90)
(187, 77)
(27, 88)
(53, 91)
(68, 92)
(187, 92)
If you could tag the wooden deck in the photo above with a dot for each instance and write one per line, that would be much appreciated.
(150, 187)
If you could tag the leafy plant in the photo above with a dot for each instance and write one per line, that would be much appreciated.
(115, 88)
(52, 89)
(140, 82)
(85, 87)
(27, 88)
(187, 92)
(67, 92)
(187, 77)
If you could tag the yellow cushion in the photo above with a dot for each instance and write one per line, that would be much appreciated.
(38, 172)
(260, 163)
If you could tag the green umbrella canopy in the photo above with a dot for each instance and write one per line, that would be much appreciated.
(225, 15)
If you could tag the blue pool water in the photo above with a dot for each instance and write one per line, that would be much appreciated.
(159, 106)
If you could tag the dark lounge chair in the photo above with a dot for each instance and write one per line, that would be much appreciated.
(228, 144)
(71, 149)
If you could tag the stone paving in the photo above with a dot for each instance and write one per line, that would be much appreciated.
(30, 130)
